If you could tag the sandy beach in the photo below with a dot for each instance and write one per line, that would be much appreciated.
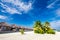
(29, 36)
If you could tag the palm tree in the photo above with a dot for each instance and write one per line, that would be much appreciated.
(38, 27)
(47, 28)
(41, 29)
(47, 24)
(37, 24)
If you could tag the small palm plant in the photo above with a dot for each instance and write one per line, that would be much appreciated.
(22, 31)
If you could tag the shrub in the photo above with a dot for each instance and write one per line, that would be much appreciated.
(38, 30)
(22, 31)
(50, 31)
(41, 29)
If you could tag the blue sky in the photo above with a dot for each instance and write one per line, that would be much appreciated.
(26, 12)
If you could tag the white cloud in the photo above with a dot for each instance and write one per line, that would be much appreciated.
(7, 0)
(3, 17)
(2, 11)
(55, 24)
(25, 7)
(54, 7)
(57, 12)
(22, 6)
(8, 9)
(51, 5)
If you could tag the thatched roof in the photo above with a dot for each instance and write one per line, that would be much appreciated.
(4, 24)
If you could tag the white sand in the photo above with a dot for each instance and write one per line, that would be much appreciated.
(30, 36)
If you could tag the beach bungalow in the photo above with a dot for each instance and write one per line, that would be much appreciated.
(4, 26)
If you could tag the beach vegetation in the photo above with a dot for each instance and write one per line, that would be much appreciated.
(22, 31)
(38, 28)
(41, 29)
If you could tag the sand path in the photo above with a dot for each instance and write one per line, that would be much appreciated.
(29, 36)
